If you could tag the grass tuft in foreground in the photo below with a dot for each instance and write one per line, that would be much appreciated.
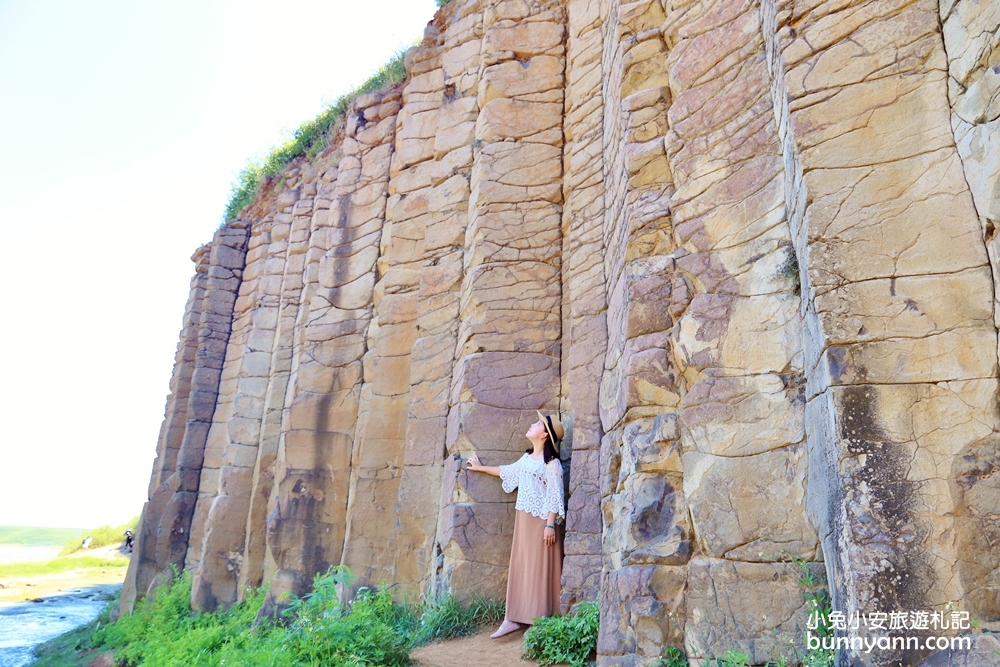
(310, 139)
(448, 618)
(569, 638)
(316, 629)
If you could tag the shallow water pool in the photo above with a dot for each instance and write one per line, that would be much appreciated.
(25, 625)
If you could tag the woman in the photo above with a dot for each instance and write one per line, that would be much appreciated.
(535, 555)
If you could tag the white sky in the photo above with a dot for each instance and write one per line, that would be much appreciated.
(122, 125)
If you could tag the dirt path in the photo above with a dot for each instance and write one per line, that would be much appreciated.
(476, 651)
(110, 552)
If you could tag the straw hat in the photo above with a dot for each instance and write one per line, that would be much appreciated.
(553, 426)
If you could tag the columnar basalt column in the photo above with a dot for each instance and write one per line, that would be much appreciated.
(234, 440)
(176, 412)
(164, 531)
(646, 528)
(303, 368)
(584, 305)
(971, 33)
(437, 189)
(303, 182)
(142, 566)
(508, 349)
(377, 455)
(703, 334)
(307, 516)
(900, 345)
(739, 342)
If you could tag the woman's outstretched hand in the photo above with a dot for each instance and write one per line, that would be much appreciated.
(475, 465)
(549, 537)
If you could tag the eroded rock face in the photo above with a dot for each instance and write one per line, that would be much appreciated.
(747, 249)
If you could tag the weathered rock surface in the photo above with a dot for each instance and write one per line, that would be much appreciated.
(747, 248)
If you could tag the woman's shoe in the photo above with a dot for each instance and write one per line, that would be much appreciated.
(505, 628)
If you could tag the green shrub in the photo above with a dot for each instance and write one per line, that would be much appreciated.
(673, 657)
(733, 658)
(563, 638)
(314, 630)
(101, 537)
(310, 139)
(322, 631)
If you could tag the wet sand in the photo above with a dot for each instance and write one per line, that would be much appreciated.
(22, 588)
(26, 589)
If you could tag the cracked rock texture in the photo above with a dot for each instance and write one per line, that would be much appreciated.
(747, 248)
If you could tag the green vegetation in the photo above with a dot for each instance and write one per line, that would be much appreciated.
(673, 657)
(314, 630)
(819, 608)
(733, 658)
(58, 565)
(569, 638)
(35, 537)
(101, 537)
(447, 618)
(789, 269)
(310, 139)
(68, 650)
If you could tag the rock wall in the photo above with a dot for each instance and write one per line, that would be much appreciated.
(747, 249)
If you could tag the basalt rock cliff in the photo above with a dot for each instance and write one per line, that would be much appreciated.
(747, 249)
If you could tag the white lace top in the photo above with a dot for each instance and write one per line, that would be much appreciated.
(540, 486)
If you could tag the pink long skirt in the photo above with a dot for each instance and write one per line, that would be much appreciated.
(535, 571)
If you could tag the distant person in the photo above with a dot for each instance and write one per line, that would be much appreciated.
(129, 540)
(536, 555)
(87, 542)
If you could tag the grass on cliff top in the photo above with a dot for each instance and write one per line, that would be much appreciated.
(315, 630)
(311, 138)
(100, 537)
(31, 536)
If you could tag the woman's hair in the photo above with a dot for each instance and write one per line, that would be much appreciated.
(549, 452)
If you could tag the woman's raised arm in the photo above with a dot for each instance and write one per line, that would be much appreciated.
(474, 465)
